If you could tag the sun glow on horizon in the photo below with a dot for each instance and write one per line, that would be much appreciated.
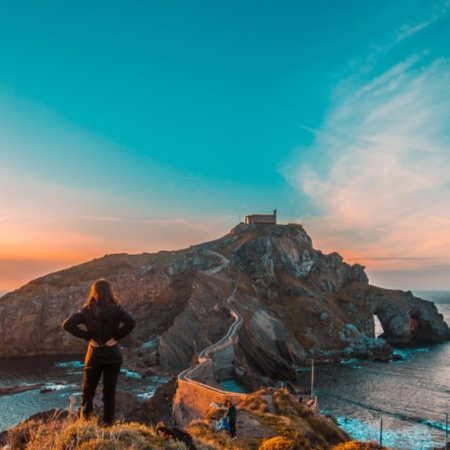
(338, 117)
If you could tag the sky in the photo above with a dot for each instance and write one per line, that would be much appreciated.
(139, 126)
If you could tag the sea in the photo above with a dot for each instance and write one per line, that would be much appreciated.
(54, 382)
(404, 404)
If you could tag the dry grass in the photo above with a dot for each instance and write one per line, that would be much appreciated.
(293, 425)
(285, 405)
(228, 249)
(209, 439)
(279, 443)
(256, 402)
(289, 428)
(76, 433)
(215, 413)
(315, 427)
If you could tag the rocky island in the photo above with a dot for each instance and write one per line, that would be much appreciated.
(253, 306)
(296, 304)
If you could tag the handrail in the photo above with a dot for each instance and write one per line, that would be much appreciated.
(204, 357)
(232, 330)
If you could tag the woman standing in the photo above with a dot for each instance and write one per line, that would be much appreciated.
(102, 322)
(231, 414)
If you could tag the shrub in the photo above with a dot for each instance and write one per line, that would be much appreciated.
(215, 413)
(279, 443)
(20, 435)
(285, 405)
(209, 439)
(75, 433)
(256, 403)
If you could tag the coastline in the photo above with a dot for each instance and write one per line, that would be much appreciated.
(399, 425)
(410, 395)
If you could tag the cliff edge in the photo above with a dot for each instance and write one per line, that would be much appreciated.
(296, 303)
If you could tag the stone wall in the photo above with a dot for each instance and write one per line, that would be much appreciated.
(198, 386)
(222, 352)
(224, 367)
(203, 373)
(193, 400)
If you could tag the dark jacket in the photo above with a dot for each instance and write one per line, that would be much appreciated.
(101, 324)
(231, 414)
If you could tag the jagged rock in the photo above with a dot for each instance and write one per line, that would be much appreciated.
(198, 326)
(295, 303)
(159, 407)
(298, 291)
(35, 312)
(334, 274)
(267, 335)
(368, 348)
(19, 389)
(407, 319)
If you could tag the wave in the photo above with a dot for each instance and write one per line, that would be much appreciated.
(130, 374)
(71, 364)
(414, 437)
(440, 426)
(396, 415)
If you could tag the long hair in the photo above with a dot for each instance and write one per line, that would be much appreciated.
(103, 294)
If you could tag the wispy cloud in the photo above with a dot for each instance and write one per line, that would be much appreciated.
(48, 226)
(411, 31)
(438, 10)
(128, 220)
(398, 258)
(384, 194)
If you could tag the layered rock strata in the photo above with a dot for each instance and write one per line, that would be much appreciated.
(296, 304)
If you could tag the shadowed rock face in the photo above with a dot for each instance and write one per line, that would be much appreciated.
(296, 303)
(410, 321)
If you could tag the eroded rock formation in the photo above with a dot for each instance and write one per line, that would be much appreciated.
(296, 303)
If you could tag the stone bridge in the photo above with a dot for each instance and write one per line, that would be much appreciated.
(194, 395)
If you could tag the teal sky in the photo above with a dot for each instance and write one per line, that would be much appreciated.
(147, 125)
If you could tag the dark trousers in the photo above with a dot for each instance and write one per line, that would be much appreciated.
(233, 429)
(91, 379)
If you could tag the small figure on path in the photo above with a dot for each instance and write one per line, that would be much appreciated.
(232, 417)
(102, 322)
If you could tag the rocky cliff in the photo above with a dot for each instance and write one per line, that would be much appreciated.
(296, 303)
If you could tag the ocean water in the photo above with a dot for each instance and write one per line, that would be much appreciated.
(62, 375)
(411, 397)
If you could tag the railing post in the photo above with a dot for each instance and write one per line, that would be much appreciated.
(446, 431)
(381, 431)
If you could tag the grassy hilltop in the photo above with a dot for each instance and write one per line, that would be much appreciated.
(269, 420)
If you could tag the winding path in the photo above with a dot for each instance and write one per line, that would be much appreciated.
(205, 356)
(193, 397)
